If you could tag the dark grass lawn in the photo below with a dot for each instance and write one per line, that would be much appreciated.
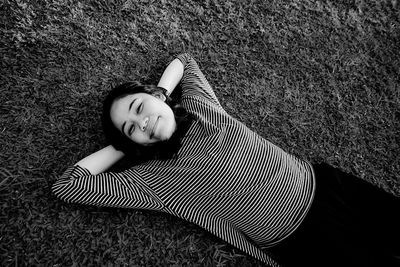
(319, 78)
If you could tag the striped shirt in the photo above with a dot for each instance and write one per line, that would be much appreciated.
(225, 178)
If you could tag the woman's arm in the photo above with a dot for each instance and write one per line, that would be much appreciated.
(172, 75)
(193, 81)
(80, 184)
(101, 160)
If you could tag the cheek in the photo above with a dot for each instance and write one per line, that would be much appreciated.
(169, 124)
(168, 112)
(137, 137)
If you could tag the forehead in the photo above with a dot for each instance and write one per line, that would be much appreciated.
(119, 104)
(120, 107)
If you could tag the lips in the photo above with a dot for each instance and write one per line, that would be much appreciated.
(153, 129)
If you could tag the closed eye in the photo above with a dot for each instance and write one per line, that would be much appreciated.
(139, 108)
(131, 129)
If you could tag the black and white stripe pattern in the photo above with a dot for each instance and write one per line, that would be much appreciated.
(226, 178)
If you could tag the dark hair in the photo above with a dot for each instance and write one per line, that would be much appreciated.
(160, 150)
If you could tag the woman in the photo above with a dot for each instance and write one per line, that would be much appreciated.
(204, 166)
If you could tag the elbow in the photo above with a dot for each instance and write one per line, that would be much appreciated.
(58, 189)
(63, 190)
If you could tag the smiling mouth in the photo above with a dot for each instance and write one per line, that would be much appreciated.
(154, 128)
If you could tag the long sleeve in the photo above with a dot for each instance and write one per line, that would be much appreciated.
(193, 82)
(124, 190)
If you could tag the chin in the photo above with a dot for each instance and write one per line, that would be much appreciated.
(164, 138)
(165, 135)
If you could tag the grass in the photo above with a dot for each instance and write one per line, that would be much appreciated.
(318, 78)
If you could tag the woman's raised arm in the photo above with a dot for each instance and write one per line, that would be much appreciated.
(101, 160)
(171, 76)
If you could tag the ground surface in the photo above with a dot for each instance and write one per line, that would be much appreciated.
(319, 78)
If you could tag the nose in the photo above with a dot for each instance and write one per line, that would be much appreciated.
(143, 123)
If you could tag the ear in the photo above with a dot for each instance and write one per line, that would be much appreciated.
(160, 96)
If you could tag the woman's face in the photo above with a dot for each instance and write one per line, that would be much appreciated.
(144, 118)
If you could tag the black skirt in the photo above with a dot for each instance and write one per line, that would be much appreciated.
(351, 223)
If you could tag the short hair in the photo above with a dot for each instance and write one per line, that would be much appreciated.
(159, 150)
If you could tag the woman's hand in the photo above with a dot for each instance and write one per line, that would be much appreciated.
(101, 160)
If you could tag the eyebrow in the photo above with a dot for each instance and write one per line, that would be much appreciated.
(129, 109)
